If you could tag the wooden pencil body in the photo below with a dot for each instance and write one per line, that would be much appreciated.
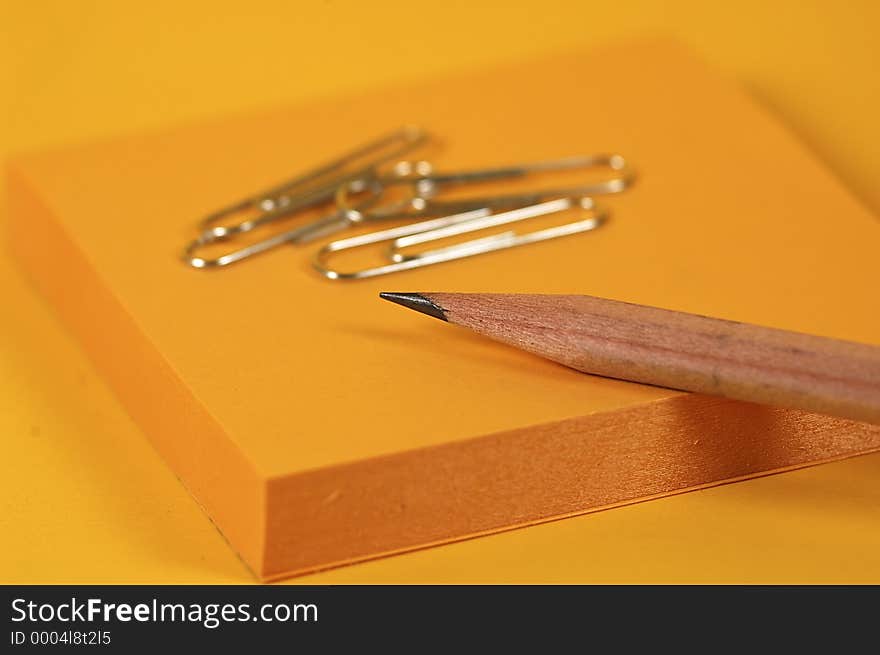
(680, 351)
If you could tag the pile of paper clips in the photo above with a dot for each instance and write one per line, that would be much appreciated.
(357, 189)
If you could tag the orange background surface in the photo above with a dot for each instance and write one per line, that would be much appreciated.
(131, 521)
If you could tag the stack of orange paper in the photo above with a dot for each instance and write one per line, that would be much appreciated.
(318, 426)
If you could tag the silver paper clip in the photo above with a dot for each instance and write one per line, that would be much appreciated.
(454, 225)
(356, 169)
(426, 185)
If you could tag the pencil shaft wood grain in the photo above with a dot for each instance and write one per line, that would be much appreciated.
(680, 351)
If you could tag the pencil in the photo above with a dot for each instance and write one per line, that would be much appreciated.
(673, 349)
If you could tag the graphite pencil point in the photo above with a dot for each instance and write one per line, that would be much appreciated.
(417, 302)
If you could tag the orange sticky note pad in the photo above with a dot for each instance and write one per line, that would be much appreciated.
(317, 425)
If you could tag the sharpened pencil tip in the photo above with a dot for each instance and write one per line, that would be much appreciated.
(417, 302)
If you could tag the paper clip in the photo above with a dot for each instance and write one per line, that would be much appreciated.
(454, 225)
(356, 169)
(426, 184)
